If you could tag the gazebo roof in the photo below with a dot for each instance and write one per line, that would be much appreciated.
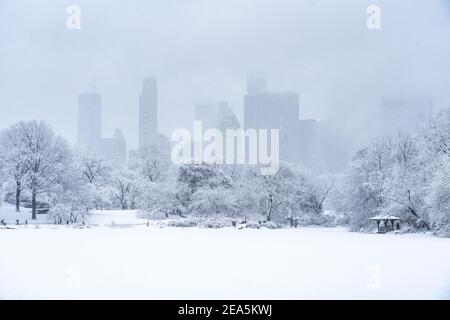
(385, 217)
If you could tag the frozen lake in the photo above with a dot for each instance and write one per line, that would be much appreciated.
(192, 263)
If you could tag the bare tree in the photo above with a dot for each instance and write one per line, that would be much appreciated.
(45, 158)
(91, 167)
(121, 191)
(274, 189)
(13, 160)
(151, 163)
(124, 188)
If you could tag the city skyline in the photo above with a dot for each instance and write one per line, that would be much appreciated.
(314, 50)
(322, 146)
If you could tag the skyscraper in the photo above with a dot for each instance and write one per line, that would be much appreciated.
(89, 122)
(148, 113)
(226, 119)
(273, 110)
(115, 149)
(206, 113)
(218, 116)
(256, 84)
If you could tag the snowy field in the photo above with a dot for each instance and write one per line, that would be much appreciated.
(192, 263)
(9, 215)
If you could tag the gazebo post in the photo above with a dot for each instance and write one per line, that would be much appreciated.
(386, 223)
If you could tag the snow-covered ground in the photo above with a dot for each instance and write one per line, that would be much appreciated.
(9, 215)
(115, 217)
(97, 217)
(194, 263)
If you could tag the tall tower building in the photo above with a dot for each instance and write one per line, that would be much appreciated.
(148, 113)
(216, 116)
(264, 109)
(206, 113)
(115, 149)
(277, 110)
(256, 84)
(89, 122)
(226, 119)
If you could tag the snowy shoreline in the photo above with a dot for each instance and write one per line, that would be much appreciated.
(132, 219)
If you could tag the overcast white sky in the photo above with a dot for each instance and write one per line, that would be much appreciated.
(203, 49)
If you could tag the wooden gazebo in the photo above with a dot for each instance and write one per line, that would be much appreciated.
(386, 223)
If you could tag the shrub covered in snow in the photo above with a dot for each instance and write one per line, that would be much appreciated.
(270, 225)
(253, 224)
(62, 214)
(213, 224)
(183, 223)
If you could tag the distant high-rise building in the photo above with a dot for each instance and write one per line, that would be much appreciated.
(163, 145)
(148, 113)
(309, 149)
(273, 110)
(256, 85)
(218, 116)
(115, 149)
(120, 146)
(324, 147)
(226, 119)
(163, 142)
(206, 113)
(89, 122)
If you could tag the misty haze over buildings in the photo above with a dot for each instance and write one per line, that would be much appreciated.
(317, 55)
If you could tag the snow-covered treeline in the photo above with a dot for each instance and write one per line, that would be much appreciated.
(406, 176)
(39, 170)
